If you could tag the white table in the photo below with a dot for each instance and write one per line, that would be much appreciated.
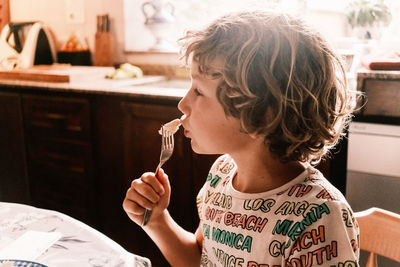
(80, 245)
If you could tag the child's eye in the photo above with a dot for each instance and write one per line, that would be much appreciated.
(197, 92)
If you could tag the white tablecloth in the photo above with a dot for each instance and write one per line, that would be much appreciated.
(80, 245)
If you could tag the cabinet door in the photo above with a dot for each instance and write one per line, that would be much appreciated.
(14, 185)
(59, 151)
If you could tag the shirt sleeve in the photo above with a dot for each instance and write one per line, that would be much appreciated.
(330, 238)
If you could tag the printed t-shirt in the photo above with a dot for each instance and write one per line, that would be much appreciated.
(306, 222)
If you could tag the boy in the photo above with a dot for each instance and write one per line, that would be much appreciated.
(270, 95)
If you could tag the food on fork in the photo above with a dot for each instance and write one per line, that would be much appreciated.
(171, 127)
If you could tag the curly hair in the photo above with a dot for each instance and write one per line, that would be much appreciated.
(280, 78)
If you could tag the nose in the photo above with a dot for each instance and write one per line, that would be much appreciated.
(183, 105)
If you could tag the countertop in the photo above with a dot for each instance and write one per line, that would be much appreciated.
(364, 74)
(95, 83)
(92, 82)
(378, 74)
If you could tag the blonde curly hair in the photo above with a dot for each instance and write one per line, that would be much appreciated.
(280, 78)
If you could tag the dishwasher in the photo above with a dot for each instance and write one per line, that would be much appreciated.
(373, 170)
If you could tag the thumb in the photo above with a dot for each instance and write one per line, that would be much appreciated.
(163, 179)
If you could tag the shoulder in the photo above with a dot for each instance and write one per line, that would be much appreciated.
(331, 207)
(223, 165)
(321, 189)
(220, 173)
(313, 195)
(328, 223)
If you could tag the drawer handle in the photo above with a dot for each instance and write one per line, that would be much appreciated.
(55, 116)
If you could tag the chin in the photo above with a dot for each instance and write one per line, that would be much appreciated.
(196, 149)
(200, 150)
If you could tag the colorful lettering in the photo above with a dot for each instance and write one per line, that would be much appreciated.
(226, 168)
(218, 199)
(277, 248)
(255, 264)
(346, 264)
(300, 190)
(227, 260)
(307, 239)
(214, 181)
(259, 204)
(245, 222)
(324, 194)
(319, 255)
(206, 231)
(287, 227)
(348, 217)
(237, 241)
(212, 214)
(297, 208)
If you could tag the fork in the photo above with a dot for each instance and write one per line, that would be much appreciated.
(167, 148)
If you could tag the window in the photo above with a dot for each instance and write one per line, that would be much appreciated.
(189, 14)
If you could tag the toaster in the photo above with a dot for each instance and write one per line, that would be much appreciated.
(24, 44)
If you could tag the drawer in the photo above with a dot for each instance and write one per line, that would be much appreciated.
(57, 116)
(60, 156)
(383, 98)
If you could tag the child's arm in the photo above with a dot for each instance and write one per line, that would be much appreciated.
(180, 247)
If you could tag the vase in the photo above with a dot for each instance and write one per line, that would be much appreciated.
(159, 16)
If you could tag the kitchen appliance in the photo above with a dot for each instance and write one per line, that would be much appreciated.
(373, 170)
(24, 44)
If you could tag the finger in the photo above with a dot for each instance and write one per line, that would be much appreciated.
(132, 207)
(146, 190)
(163, 178)
(133, 195)
(152, 180)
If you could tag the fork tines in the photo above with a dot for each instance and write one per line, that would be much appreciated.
(167, 138)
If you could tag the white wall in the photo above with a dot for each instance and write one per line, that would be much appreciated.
(54, 14)
(127, 23)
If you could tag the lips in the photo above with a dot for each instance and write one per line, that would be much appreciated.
(183, 124)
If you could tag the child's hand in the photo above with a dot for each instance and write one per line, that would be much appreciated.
(147, 192)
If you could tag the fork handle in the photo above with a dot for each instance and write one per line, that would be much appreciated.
(146, 216)
(147, 213)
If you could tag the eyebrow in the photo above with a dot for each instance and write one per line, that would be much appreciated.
(211, 76)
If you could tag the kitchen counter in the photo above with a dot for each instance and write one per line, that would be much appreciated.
(92, 80)
(364, 74)
(378, 74)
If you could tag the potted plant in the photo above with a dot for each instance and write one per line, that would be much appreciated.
(368, 17)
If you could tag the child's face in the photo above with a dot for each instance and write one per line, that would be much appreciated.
(210, 130)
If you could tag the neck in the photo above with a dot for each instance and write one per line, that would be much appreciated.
(258, 171)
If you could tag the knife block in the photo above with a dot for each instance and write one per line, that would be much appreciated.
(103, 53)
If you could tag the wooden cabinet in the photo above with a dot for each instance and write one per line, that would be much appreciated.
(137, 126)
(125, 131)
(142, 149)
(59, 154)
(14, 185)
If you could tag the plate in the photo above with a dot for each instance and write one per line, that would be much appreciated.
(20, 263)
